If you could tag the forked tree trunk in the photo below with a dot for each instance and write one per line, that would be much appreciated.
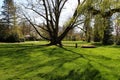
(56, 42)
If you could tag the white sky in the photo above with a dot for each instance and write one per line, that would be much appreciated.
(66, 13)
(1, 2)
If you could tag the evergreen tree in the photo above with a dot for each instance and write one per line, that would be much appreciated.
(3, 31)
(8, 22)
(8, 13)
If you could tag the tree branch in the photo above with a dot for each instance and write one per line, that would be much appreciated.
(105, 14)
(35, 27)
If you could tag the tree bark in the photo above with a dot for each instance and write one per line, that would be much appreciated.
(56, 41)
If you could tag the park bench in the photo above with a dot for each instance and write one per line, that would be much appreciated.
(88, 46)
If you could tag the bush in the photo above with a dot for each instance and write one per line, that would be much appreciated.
(107, 41)
(118, 42)
(97, 39)
(31, 38)
(22, 40)
(13, 37)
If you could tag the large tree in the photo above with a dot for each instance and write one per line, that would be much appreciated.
(105, 8)
(50, 11)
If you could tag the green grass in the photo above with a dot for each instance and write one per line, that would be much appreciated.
(30, 61)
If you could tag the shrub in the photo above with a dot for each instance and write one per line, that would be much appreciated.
(30, 38)
(107, 41)
(22, 40)
(97, 39)
(118, 42)
(13, 37)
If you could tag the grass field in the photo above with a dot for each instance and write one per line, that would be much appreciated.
(30, 61)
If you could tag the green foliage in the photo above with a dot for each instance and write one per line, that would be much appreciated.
(8, 13)
(104, 9)
(107, 37)
(117, 41)
(13, 37)
(3, 32)
(97, 38)
(8, 31)
(98, 28)
(31, 38)
(6, 35)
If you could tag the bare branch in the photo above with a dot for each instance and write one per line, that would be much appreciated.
(62, 5)
(81, 28)
(34, 27)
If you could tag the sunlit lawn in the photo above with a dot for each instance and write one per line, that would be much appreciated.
(30, 61)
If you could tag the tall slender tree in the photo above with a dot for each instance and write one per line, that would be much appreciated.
(8, 20)
(98, 28)
(9, 13)
(117, 31)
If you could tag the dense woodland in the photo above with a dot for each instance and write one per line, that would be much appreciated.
(98, 21)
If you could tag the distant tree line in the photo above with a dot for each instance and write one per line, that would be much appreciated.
(12, 27)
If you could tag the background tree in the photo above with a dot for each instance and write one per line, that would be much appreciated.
(9, 13)
(106, 9)
(117, 31)
(98, 29)
(4, 31)
(107, 37)
(9, 21)
(87, 28)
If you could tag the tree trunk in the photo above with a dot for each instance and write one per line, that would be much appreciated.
(107, 37)
(56, 41)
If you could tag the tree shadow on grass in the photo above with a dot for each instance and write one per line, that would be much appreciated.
(57, 58)
(12, 57)
(115, 46)
(16, 59)
(89, 73)
(84, 55)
